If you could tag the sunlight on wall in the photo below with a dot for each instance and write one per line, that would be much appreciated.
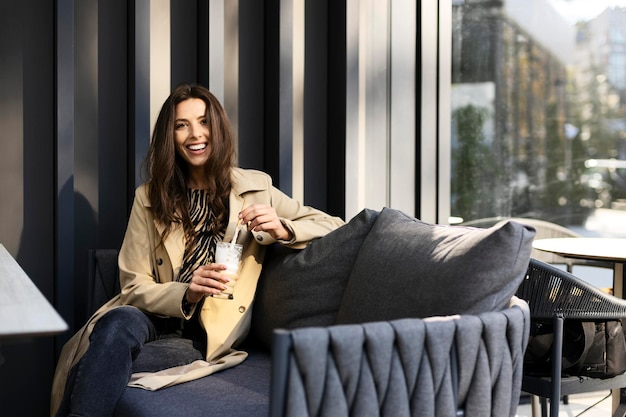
(160, 67)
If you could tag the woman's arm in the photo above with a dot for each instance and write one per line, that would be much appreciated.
(305, 222)
(286, 220)
(273, 216)
(140, 265)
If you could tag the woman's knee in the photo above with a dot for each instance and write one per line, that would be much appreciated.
(124, 321)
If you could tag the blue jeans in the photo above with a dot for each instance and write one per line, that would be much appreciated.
(98, 380)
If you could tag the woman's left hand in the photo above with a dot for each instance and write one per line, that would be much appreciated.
(263, 218)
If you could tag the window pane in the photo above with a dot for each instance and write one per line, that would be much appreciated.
(538, 104)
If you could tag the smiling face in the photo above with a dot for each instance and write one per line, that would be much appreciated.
(192, 135)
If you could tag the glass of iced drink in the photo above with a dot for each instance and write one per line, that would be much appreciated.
(228, 254)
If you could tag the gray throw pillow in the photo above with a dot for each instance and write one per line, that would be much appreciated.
(300, 288)
(409, 268)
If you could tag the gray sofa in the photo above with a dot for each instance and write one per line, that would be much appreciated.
(386, 316)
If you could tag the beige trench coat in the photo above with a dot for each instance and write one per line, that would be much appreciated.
(148, 280)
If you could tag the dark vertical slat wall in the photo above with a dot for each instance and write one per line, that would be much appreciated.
(114, 117)
(336, 108)
(284, 111)
(185, 21)
(80, 71)
(139, 87)
(271, 94)
(202, 53)
(86, 125)
(418, 110)
(27, 229)
(63, 207)
(253, 140)
(316, 96)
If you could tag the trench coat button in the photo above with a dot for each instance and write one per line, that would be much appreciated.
(159, 261)
(259, 238)
(242, 309)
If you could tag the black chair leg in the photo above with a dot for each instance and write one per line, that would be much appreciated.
(557, 352)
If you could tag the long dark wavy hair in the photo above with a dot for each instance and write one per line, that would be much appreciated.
(167, 171)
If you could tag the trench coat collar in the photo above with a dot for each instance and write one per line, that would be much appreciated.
(241, 184)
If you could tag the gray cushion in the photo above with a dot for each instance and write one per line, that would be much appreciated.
(242, 391)
(409, 268)
(304, 287)
(166, 353)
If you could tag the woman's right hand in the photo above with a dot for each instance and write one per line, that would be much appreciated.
(206, 280)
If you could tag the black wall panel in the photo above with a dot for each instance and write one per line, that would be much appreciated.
(185, 21)
(252, 85)
(27, 94)
(336, 102)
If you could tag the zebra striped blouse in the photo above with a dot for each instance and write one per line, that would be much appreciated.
(203, 249)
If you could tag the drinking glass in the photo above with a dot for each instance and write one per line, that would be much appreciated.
(228, 254)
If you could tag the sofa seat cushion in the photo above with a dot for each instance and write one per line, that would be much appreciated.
(301, 288)
(243, 391)
(409, 268)
(166, 353)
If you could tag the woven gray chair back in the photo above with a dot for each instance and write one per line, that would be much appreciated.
(550, 291)
(409, 367)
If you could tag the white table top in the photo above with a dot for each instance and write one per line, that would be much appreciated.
(24, 311)
(599, 248)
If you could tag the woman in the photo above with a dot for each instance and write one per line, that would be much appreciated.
(193, 198)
